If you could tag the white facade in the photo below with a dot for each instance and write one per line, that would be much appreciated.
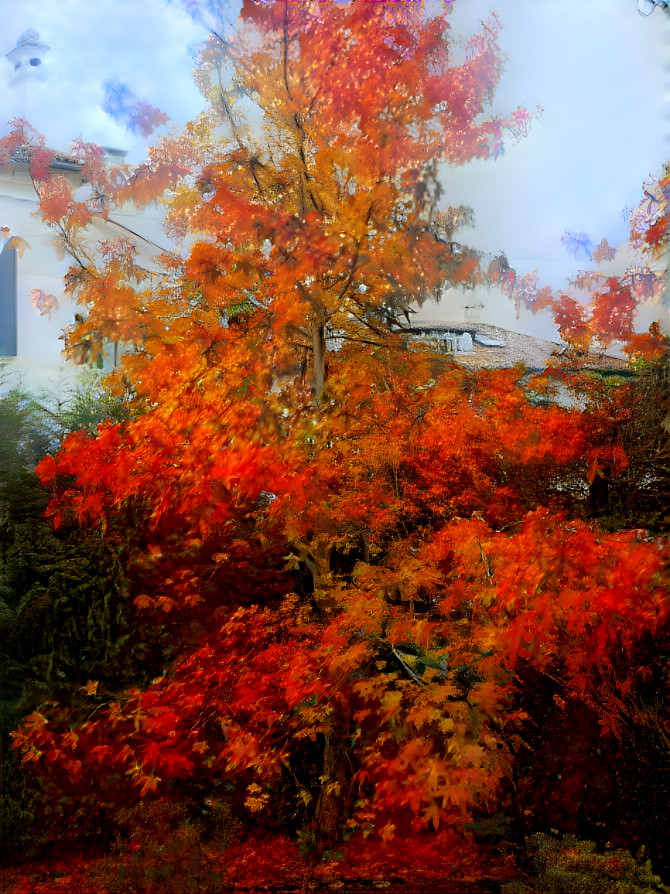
(37, 364)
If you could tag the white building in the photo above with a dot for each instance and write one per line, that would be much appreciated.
(34, 309)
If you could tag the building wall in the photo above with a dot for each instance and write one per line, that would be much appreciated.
(37, 364)
(493, 307)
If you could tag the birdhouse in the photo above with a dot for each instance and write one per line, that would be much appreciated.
(26, 57)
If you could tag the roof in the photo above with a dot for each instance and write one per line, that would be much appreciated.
(506, 348)
(60, 160)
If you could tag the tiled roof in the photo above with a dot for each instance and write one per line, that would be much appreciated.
(535, 353)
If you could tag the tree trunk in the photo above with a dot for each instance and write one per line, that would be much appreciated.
(316, 558)
(599, 492)
(334, 790)
(318, 360)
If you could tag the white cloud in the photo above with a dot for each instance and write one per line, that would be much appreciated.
(598, 71)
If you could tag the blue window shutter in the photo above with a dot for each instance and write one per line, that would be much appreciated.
(8, 302)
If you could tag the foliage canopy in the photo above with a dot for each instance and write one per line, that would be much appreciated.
(375, 569)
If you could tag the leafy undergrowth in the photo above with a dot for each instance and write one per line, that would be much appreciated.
(571, 866)
(440, 864)
(183, 866)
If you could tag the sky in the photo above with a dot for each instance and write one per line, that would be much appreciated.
(601, 73)
(599, 70)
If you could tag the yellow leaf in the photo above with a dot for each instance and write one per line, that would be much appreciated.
(447, 725)
(150, 784)
(390, 704)
(388, 832)
(432, 814)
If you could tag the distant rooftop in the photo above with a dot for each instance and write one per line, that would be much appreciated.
(64, 160)
(493, 347)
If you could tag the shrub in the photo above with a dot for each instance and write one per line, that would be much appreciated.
(571, 866)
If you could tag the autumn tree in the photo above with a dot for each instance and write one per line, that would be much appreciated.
(313, 180)
(382, 695)
(338, 532)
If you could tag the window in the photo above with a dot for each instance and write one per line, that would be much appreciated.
(8, 302)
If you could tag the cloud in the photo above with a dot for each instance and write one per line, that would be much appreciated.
(138, 115)
(598, 71)
(579, 245)
(145, 45)
(217, 16)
